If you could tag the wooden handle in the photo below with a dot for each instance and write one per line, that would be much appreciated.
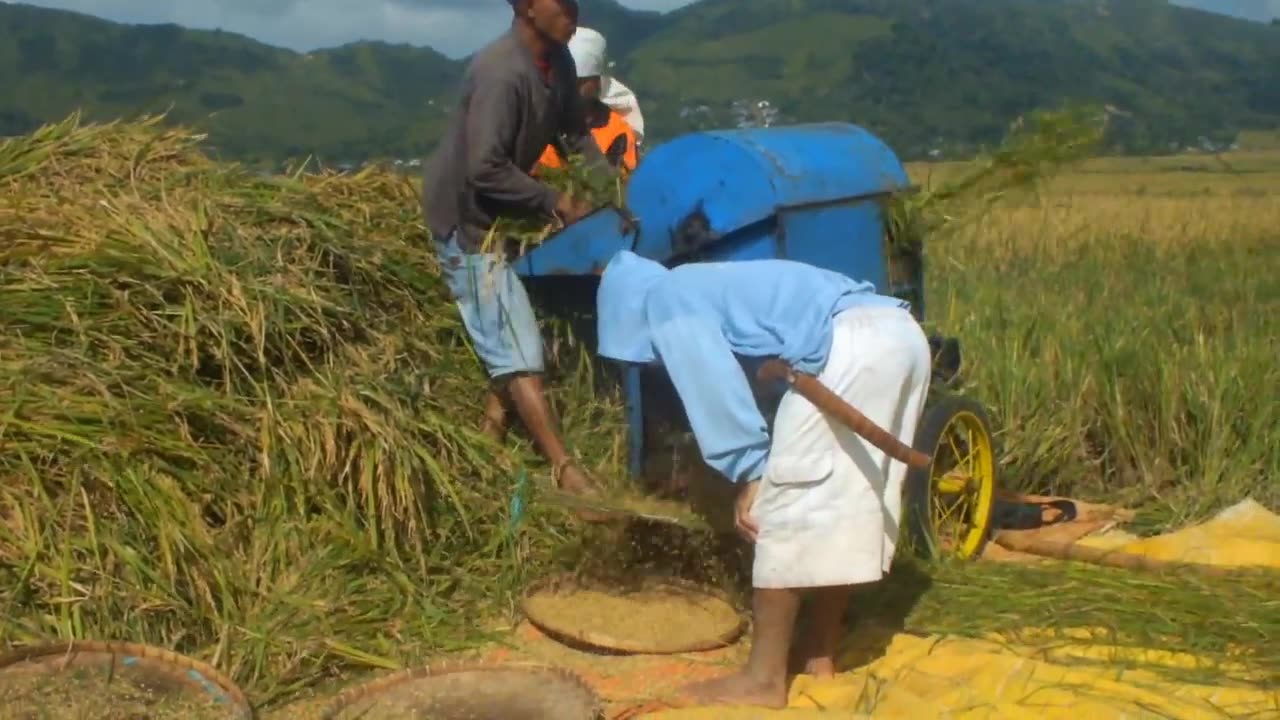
(828, 402)
(1026, 542)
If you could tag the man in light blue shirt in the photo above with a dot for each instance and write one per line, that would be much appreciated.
(821, 504)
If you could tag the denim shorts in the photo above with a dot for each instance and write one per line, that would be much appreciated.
(495, 309)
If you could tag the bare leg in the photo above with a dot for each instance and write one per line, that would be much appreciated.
(495, 414)
(822, 636)
(763, 682)
(530, 402)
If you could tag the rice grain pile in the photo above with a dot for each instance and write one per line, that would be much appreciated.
(648, 616)
(513, 692)
(81, 697)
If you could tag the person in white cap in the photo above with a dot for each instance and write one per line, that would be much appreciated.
(613, 113)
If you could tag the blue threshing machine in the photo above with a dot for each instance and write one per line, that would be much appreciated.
(812, 193)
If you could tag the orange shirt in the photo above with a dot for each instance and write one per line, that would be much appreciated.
(604, 136)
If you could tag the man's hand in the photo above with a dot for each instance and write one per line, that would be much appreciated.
(742, 519)
(571, 209)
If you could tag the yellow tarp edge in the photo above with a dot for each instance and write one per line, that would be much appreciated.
(961, 679)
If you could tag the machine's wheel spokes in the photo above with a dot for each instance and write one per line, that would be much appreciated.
(950, 502)
(962, 486)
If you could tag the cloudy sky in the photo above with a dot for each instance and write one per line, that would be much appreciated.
(454, 27)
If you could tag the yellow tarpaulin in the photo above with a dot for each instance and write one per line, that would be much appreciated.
(1246, 534)
(960, 679)
(972, 679)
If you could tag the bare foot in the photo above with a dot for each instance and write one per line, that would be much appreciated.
(496, 429)
(738, 690)
(823, 668)
(572, 480)
(495, 417)
(820, 641)
(808, 658)
(575, 482)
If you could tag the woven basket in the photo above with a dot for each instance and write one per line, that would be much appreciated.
(470, 691)
(565, 630)
(160, 671)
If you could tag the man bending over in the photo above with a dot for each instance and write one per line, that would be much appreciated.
(821, 504)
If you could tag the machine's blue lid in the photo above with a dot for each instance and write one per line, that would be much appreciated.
(702, 186)
(726, 180)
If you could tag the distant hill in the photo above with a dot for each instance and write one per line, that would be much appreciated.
(925, 74)
(255, 100)
(1255, 10)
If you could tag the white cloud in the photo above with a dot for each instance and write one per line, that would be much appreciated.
(454, 27)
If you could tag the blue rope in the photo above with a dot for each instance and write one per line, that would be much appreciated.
(516, 509)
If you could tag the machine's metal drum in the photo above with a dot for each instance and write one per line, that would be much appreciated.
(737, 178)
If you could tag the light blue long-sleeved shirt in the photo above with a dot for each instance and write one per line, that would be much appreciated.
(697, 320)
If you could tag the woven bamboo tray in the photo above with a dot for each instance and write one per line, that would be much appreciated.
(469, 691)
(573, 630)
(159, 672)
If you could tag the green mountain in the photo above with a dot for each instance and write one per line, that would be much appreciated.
(925, 74)
(254, 100)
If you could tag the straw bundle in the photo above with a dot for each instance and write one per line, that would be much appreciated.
(594, 186)
(236, 413)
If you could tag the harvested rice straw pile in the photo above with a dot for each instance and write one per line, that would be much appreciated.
(237, 415)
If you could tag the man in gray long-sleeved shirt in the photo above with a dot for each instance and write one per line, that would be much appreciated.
(518, 94)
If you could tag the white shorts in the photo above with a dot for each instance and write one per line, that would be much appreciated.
(830, 503)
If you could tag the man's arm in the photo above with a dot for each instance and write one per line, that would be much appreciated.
(731, 432)
(491, 121)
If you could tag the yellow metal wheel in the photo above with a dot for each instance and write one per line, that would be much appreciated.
(949, 504)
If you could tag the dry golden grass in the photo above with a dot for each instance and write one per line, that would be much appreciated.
(235, 410)
(1061, 220)
(1122, 323)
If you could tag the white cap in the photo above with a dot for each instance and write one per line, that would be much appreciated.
(588, 49)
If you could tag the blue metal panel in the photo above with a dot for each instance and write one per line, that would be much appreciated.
(825, 162)
(634, 401)
(755, 242)
(581, 248)
(696, 172)
(847, 238)
(737, 178)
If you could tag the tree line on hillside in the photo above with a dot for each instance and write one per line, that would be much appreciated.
(1174, 77)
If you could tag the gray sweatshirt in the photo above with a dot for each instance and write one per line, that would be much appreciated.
(506, 116)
